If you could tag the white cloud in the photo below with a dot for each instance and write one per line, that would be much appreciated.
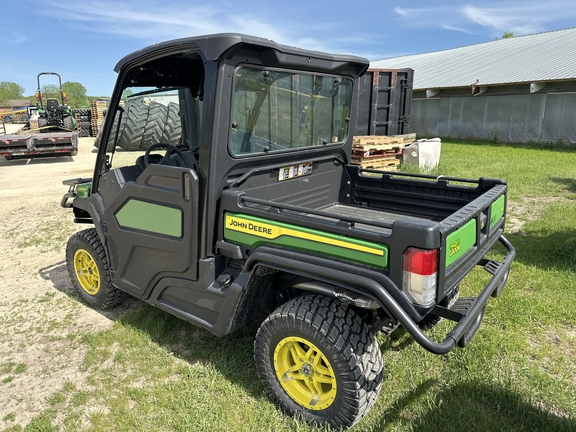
(153, 21)
(521, 20)
(493, 18)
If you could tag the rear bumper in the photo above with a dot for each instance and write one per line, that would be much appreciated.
(469, 318)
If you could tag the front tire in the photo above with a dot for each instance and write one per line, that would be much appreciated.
(88, 268)
(316, 358)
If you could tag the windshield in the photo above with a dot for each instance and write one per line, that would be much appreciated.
(278, 111)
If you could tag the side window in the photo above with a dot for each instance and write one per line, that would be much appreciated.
(147, 117)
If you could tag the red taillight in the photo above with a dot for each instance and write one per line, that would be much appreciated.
(420, 261)
(419, 274)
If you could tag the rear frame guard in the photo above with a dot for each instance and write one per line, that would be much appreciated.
(464, 329)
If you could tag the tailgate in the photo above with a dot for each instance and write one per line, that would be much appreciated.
(468, 234)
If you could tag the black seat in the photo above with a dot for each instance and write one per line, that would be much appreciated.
(52, 104)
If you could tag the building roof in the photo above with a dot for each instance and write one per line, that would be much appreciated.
(540, 57)
(15, 103)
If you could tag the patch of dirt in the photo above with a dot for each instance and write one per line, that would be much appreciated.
(43, 320)
(562, 342)
(528, 209)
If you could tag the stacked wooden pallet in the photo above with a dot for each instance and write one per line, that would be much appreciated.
(379, 152)
(97, 109)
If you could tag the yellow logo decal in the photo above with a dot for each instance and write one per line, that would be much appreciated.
(455, 247)
(250, 227)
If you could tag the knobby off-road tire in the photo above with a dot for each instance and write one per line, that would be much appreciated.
(89, 270)
(42, 123)
(316, 358)
(69, 123)
(133, 129)
(173, 126)
(154, 125)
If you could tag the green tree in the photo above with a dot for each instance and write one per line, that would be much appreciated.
(506, 35)
(10, 90)
(76, 94)
(50, 91)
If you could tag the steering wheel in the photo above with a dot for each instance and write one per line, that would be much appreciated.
(169, 150)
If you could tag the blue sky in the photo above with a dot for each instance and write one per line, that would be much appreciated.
(83, 40)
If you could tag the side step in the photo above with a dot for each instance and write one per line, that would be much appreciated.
(458, 311)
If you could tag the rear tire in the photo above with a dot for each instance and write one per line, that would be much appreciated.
(69, 123)
(42, 122)
(88, 268)
(317, 359)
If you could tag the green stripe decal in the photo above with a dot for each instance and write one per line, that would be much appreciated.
(253, 231)
(497, 211)
(460, 241)
(154, 218)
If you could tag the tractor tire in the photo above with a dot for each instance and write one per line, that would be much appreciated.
(42, 122)
(89, 270)
(133, 129)
(154, 125)
(112, 137)
(69, 123)
(85, 129)
(98, 139)
(173, 126)
(318, 359)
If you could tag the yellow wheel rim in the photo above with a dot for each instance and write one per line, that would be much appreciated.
(305, 373)
(87, 271)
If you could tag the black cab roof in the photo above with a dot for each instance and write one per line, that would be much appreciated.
(214, 46)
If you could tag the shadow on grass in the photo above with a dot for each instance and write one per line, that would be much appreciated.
(569, 183)
(57, 273)
(474, 407)
(462, 406)
(547, 251)
(231, 354)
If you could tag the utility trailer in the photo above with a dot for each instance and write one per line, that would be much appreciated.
(50, 131)
(28, 145)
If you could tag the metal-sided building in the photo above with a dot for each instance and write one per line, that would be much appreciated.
(521, 89)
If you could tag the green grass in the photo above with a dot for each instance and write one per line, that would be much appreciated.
(151, 371)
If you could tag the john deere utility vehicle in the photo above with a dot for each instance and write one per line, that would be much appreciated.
(254, 208)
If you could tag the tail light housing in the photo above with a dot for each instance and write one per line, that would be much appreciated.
(420, 274)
